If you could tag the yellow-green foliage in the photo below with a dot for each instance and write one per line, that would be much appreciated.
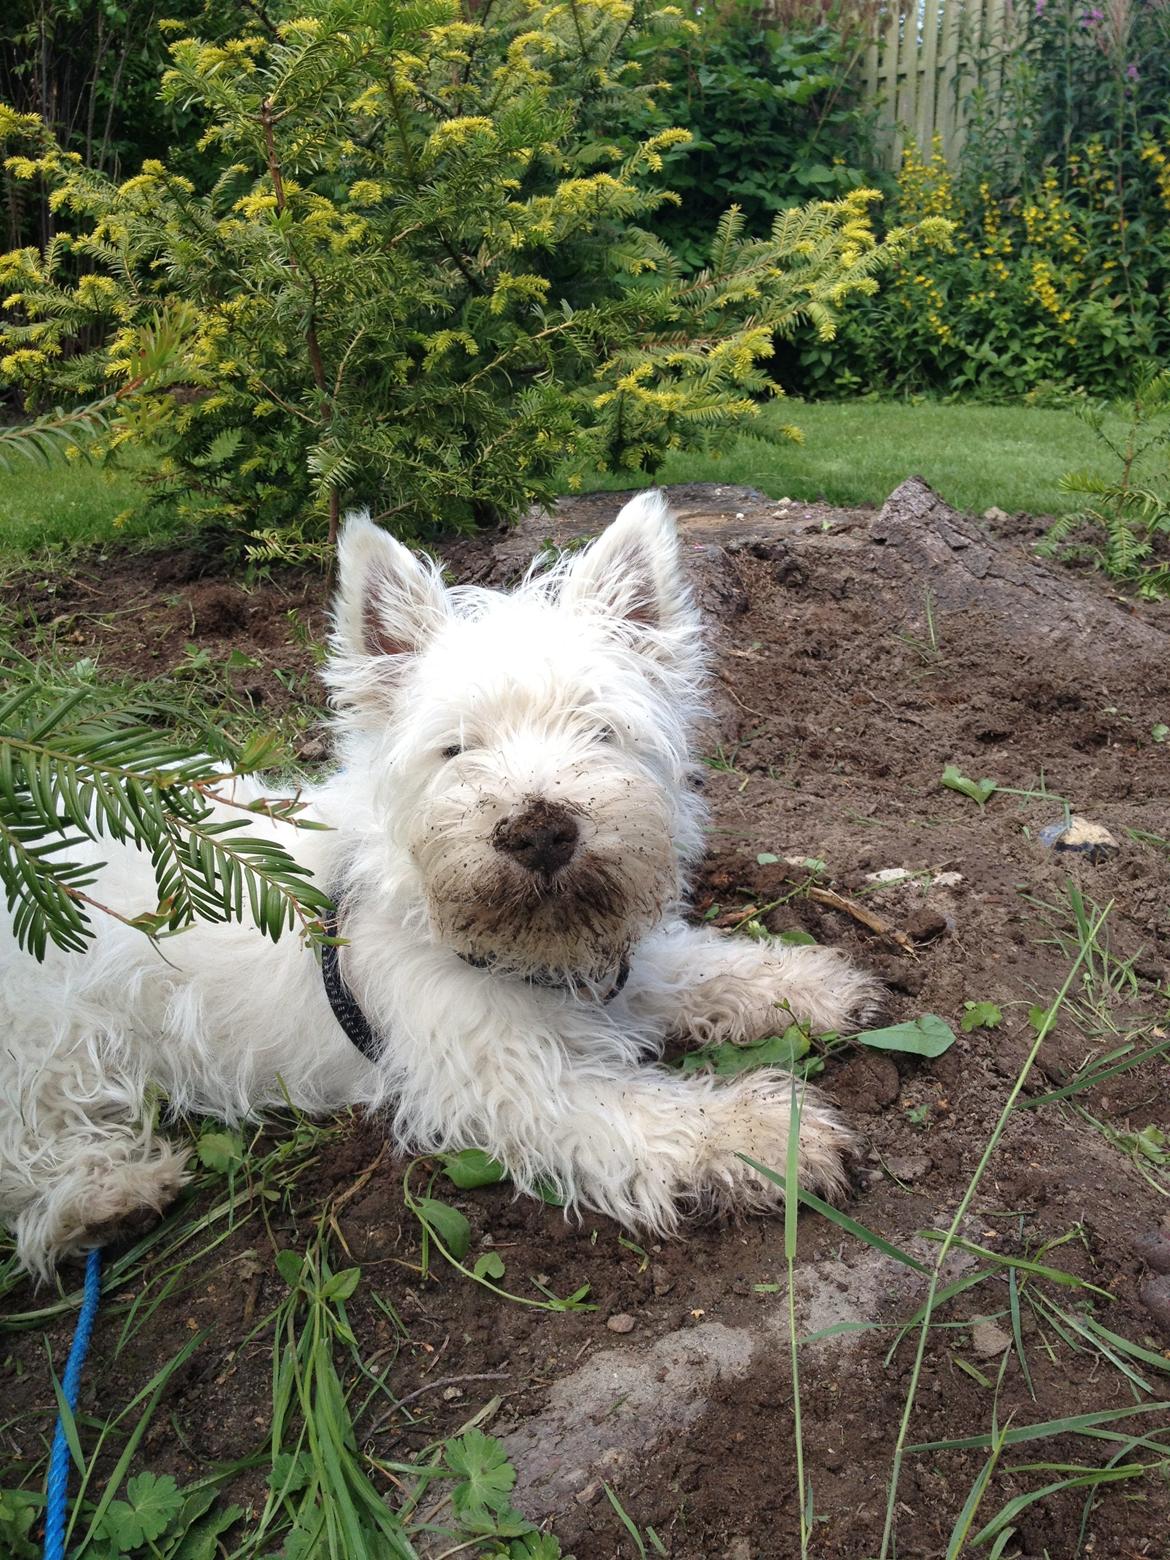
(407, 277)
(1061, 286)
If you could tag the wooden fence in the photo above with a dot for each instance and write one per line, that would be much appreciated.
(919, 69)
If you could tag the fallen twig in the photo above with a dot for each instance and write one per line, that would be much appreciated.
(876, 923)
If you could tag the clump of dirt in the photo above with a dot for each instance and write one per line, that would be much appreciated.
(857, 655)
(184, 621)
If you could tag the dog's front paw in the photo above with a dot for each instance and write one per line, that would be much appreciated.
(817, 987)
(823, 989)
(102, 1200)
(759, 1113)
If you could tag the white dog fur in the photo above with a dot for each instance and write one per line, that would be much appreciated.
(482, 739)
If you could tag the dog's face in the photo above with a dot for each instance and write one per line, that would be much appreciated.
(529, 751)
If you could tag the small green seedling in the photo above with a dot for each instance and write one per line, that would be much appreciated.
(918, 1116)
(1160, 732)
(219, 1149)
(980, 1015)
(1149, 1143)
(788, 1050)
(490, 1265)
(639, 1251)
(978, 790)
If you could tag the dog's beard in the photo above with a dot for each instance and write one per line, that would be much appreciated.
(582, 921)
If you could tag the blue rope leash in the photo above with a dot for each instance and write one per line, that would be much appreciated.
(56, 1487)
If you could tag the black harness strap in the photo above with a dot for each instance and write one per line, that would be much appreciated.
(552, 981)
(348, 1011)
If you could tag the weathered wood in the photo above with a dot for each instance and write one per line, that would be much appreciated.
(924, 59)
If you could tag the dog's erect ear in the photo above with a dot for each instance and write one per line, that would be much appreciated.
(633, 571)
(388, 601)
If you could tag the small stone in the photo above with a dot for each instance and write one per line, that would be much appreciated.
(451, 1393)
(995, 514)
(621, 1323)
(589, 1494)
(1154, 1249)
(926, 925)
(988, 1340)
(661, 1278)
(1155, 1296)
(1080, 837)
(908, 1167)
(312, 750)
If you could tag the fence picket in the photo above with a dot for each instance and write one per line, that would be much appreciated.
(919, 69)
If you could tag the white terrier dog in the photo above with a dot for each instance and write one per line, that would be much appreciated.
(510, 829)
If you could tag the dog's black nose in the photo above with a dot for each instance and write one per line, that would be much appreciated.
(542, 838)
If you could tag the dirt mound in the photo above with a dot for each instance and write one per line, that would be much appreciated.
(858, 655)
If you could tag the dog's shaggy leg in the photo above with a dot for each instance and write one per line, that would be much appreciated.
(74, 1167)
(645, 1148)
(711, 987)
(117, 1188)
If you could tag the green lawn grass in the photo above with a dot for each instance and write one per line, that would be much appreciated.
(66, 505)
(857, 452)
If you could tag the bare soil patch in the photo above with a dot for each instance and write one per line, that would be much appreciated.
(857, 655)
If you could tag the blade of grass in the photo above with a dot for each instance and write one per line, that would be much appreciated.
(1091, 1080)
(1024, 1264)
(973, 1371)
(1122, 1451)
(1073, 1424)
(1018, 1331)
(968, 1281)
(952, 1234)
(626, 1521)
(841, 1220)
(791, 1207)
(151, 1393)
(966, 1518)
(1090, 1478)
(1136, 1381)
(1147, 1356)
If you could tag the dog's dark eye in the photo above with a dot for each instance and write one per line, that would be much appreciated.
(453, 751)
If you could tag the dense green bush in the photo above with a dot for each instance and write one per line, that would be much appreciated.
(775, 116)
(88, 70)
(1031, 294)
(1058, 274)
(411, 273)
